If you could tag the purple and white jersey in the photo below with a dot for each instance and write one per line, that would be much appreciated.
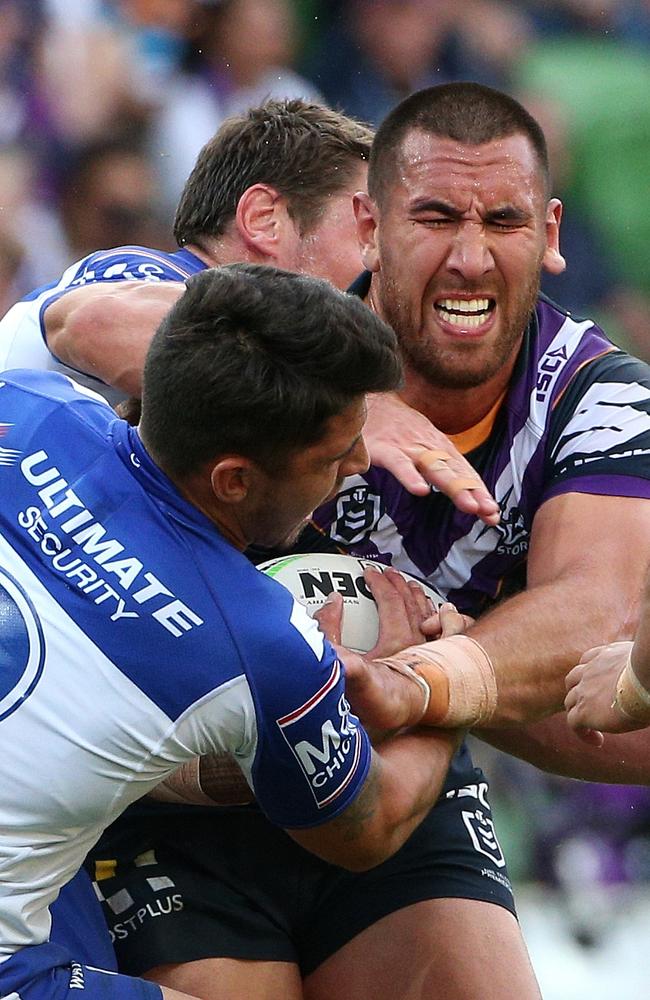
(132, 638)
(576, 419)
(22, 329)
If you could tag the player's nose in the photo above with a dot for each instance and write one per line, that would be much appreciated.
(470, 254)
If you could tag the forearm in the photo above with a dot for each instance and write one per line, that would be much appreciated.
(407, 775)
(534, 638)
(214, 779)
(105, 329)
(511, 665)
(640, 656)
(553, 747)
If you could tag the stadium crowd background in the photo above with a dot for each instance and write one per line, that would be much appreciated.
(104, 105)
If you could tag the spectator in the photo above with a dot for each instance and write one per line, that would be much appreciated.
(244, 56)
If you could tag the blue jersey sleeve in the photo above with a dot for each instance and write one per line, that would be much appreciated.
(128, 263)
(313, 754)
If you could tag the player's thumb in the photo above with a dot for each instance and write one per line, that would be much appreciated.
(330, 618)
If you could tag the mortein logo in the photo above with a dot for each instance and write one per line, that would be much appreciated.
(328, 751)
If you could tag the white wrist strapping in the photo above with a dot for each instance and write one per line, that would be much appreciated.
(632, 699)
(460, 677)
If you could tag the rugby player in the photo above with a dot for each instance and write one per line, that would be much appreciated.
(274, 186)
(129, 646)
(457, 225)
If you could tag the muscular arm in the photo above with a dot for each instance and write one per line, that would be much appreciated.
(586, 566)
(104, 329)
(405, 779)
(552, 746)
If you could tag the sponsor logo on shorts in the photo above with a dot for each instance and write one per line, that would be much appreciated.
(330, 759)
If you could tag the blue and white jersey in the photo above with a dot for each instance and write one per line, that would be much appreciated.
(575, 419)
(22, 329)
(134, 637)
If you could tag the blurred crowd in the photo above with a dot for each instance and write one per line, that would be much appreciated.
(104, 105)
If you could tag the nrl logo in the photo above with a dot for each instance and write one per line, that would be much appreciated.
(512, 528)
(357, 514)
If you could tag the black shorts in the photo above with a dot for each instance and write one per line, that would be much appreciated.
(232, 885)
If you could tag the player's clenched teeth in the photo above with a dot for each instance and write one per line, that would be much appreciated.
(468, 313)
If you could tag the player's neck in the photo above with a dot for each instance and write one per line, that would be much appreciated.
(229, 248)
(454, 410)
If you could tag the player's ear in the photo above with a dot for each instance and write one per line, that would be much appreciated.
(553, 261)
(231, 479)
(365, 213)
(259, 219)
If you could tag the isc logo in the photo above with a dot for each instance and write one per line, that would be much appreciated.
(321, 583)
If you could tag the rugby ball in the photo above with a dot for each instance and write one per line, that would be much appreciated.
(311, 577)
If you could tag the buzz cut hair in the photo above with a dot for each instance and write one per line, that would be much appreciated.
(305, 151)
(466, 112)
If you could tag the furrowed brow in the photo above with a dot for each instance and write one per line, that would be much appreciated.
(421, 205)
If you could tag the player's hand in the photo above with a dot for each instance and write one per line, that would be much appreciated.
(421, 457)
(407, 615)
(446, 620)
(591, 690)
(383, 699)
(130, 410)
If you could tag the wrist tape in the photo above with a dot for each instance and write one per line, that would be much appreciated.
(632, 699)
(460, 677)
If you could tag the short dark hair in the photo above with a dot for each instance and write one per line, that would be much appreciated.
(305, 151)
(466, 112)
(255, 360)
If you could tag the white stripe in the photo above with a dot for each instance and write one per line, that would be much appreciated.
(456, 569)
(606, 404)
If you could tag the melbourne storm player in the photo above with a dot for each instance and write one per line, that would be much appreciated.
(458, 224)
(128, 642)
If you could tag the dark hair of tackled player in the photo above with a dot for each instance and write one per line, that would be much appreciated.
(306, 152)
(255, 361)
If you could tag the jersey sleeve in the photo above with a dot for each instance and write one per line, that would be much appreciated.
(129, 263)
(312, 753)
(599, 439)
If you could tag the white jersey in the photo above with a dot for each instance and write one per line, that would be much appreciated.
(133, 637)
(22, 330)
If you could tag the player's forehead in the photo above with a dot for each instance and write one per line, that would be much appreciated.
(495, 172)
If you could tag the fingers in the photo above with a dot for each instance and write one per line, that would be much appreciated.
(330, 618)
(451, 620)
(403, 468)
(450, 473)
